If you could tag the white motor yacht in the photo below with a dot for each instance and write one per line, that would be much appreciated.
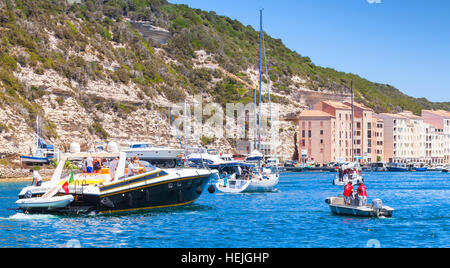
(158, 156)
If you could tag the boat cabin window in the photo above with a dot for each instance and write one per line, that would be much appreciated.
(141, 146)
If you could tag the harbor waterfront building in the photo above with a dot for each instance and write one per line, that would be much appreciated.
(325, 135)
(440, 121)
(413, 139)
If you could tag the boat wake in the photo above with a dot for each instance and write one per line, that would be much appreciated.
(23, 216)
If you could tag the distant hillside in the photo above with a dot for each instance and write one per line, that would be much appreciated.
(84, 68)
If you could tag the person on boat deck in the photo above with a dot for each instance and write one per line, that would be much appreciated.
(238, 172)
(88, 162)
(348, 191)
(112, 167)
(341, 174)
(136, 158)
(350, 173)
(362, 194)
(97, 165)
(225, 179)
(133, 167)
(36, 177)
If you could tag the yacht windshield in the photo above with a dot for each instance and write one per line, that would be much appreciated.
(141, 146)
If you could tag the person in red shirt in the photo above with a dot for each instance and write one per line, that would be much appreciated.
(362, 194)
(348, 190)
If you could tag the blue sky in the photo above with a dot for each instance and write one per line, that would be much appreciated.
(404, 43)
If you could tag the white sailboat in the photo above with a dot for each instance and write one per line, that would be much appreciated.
(42, 153)
(260, 179)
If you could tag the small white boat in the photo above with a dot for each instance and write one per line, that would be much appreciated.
(376, 209)
(232, 186)
(48, 203)
(356, 179)
(265, 184)
(355, 174)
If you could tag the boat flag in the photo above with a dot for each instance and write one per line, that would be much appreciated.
(66, 187)
(66, 184)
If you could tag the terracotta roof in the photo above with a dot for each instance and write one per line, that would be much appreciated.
(377, 118)
(359, 105)
(314, 113)
(394, 115)
(438, 112)
(410, 115)
(338, 105)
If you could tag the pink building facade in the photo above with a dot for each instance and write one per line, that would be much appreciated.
(325, 133)
(439, 121)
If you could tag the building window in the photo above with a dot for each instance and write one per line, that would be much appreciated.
(321, 132)
(303, 133)
(303, 143)
(309, 134)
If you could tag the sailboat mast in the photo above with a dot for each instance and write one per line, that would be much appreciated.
(353, 123)
(270, 101)
(37, 131)
(260, 77)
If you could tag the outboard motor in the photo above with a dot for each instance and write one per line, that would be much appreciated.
(377, 206)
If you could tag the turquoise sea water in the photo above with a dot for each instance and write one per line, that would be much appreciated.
(294, 216)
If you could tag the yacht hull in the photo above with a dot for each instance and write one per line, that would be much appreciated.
(162, 194)
(34, 160)
(267, 185)
(338, 207)
(397, 169)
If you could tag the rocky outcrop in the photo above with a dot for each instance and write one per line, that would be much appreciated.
(11, 173)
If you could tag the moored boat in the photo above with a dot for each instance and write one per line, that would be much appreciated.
(158, 156)
(446, 169)
(397, 167)
(42, 153)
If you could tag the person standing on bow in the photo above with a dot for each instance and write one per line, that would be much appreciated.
(112, 168)
(37, 179)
